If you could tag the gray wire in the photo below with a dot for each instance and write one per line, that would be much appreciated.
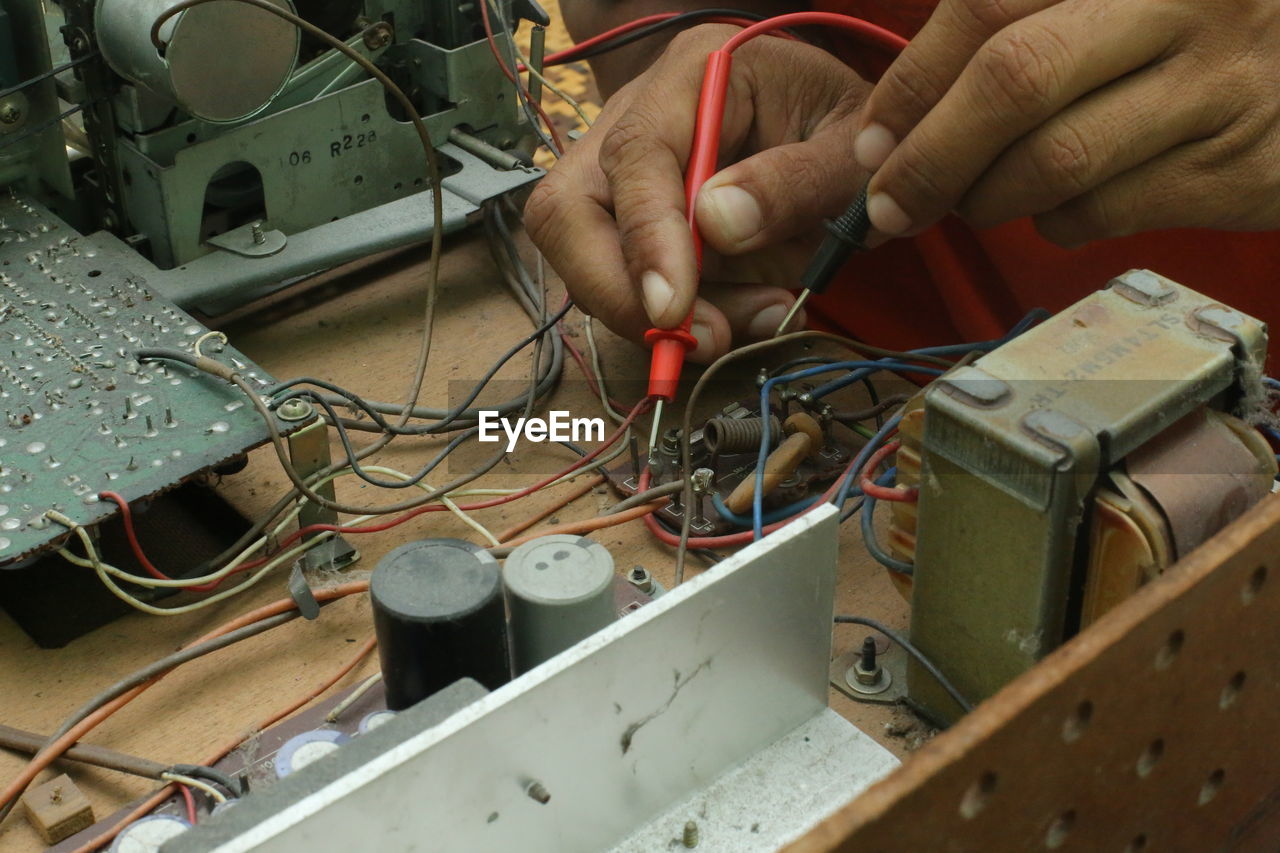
(154, 669)
(642, 498)
(929, 665)
(506, 255)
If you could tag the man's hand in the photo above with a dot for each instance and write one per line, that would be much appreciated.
(611, 215)
(1099, 117)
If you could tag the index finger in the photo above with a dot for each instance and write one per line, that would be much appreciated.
(927, 68)
(1020, 78)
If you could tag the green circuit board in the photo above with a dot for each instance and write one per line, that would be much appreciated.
(81, 414)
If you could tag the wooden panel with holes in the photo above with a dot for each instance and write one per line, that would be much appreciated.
(1156, 729)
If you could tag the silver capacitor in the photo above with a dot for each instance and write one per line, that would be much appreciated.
(559, 589)
(222, 62)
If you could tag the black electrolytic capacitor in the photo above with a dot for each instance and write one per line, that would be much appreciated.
(438, 612)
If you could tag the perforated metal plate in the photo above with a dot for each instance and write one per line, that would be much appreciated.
(1155, 729)
(81, 415)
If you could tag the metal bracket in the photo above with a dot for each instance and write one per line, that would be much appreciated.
(251, 241)
(309, 452)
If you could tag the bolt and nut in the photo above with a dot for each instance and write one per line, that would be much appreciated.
(295, 409)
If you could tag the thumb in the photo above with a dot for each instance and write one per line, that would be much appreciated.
(780, 193)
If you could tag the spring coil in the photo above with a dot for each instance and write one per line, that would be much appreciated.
(739, 435)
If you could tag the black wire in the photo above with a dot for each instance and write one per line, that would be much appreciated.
(850, 513)
(920, 657)
(44, 75)
(233, 784)
(450, 416)
(38, 129)
(874, 397)
(353, 458)
(657, 27)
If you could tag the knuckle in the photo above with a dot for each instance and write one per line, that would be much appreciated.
(1094, 217)
(798, 201)
(1065, 160)
(989, 15)
(914, 83)
(623, 141)
(1021, 67)
(541, 211)
(917, 175)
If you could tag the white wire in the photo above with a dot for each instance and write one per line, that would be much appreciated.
(105, 571)
(595, 365)
(444, 499)
(341, 707)
(198, 784)
(560, 93)
(256, 545)
(206, 336)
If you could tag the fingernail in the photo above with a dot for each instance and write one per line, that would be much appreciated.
(875, 239)
(734, 212)
(886, 215)
(765, 324)
(706, 341)
(657, 294)
(873, 146)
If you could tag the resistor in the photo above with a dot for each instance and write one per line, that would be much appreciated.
(739, 435)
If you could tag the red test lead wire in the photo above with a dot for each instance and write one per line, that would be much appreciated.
(671, 345)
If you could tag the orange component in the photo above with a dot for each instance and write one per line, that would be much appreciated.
(780, 465)
(803, 422)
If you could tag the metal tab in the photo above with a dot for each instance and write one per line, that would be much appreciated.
(1145, 288)
(976, 387)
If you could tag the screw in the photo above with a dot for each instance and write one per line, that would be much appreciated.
(701, 482)
(10, 113)
(536, 791)
(671, 442)
(867, 670)
(295, 409)
(640, 578)
(689, 838)
(378, 36)
(256, 230)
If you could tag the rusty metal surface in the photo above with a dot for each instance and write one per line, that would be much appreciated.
(1155, 730)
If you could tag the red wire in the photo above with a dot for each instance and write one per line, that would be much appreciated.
(730, 539)
(515, 81)
(607, 35)
(878, 36)
(127, 516)
(190, 801)
(872, 489)
(571, 53)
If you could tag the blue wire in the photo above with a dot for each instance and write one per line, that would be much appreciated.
(1020, 327)
(866, 368)
(847, 488)
(773, 515)
(869, 539)
(860, 370)
(1273, 384)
